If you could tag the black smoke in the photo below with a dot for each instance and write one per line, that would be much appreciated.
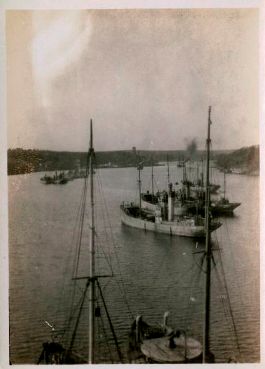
(191, 149)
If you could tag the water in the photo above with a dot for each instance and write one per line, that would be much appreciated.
(153, 273)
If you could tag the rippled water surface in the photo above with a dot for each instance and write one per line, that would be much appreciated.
(152, 273)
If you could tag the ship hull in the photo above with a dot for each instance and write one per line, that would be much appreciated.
(224, 209)
(171, 228)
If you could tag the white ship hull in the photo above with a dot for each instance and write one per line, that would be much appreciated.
(185, 228)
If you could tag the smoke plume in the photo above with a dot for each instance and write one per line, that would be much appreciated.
(191, 148)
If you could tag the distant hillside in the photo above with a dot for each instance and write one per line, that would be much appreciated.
(26, 161)
(244, 160)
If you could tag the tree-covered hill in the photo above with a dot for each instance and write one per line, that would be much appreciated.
(244, 160)
(26, 161)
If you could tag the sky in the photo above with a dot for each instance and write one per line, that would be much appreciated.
(145, 77)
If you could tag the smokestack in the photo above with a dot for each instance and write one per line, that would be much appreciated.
(170, 203)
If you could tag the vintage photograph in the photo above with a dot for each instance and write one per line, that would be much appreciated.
(133, 185)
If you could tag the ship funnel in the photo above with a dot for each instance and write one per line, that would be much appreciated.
(170, 203)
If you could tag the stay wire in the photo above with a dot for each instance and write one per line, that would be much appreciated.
(78, 244)
(82, 208)
(229, 302)
(100, 243)
(101, 329)
(121, 282)
(194, 277)
(106, 339)
(233, 261)
(67, 263)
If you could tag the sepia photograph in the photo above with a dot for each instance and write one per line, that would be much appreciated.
(133, 176)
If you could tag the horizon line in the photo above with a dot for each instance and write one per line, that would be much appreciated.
(137, 149)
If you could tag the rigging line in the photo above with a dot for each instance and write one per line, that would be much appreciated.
(156, 185)
(108, 258)
(229, 302)
(200, 266)
(121, 284)
(101, 248)
(72, 315)
(104, 330)
(198, 275)
(231, 312)
(110, 322)
(78, 317)
(80, 226)
(106, 339)
(107, 282)
(68, 258)
(78, 244)
(189, 304)
(122, 293)
(233, 262)
(65, 274)
(227, 314)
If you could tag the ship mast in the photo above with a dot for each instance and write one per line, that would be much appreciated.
(140, 188)
(208, 251)
(202, 177)
(224, 184)
(168, 174)
(92, 254)
(152, 188)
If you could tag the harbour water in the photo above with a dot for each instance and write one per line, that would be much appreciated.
(154, 273)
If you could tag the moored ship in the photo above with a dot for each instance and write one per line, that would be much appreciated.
(163, 219)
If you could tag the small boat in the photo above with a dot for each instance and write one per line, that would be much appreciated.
(223, 206)
(55, 179)
(162, 344)
(47, 179)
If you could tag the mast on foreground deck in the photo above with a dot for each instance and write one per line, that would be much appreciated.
(92, 254)
(208, 251)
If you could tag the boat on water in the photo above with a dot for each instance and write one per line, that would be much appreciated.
(156, 344)
(187, 226)
(162, 215)
(164, 345)
(223, 206)
(55, 179)
(190, 199)
(77, 173)
(62, 348)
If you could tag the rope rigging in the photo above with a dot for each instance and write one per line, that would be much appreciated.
(71, 252)
(76, 308)
(229, 307)
(106, 219)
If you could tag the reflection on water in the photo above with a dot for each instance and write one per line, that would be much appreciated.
(158, 273)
